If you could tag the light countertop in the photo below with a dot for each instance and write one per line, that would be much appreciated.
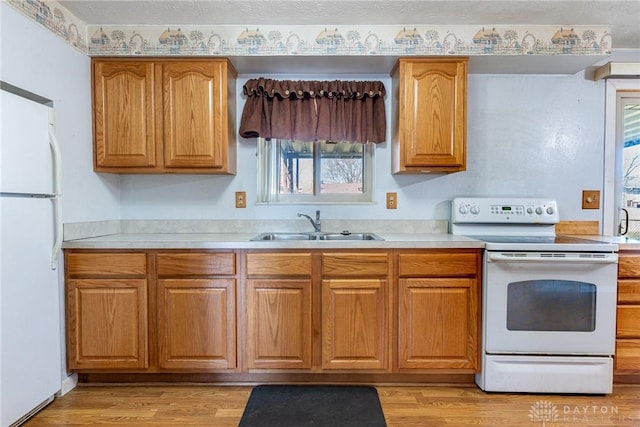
(624, 243)
(242, 241)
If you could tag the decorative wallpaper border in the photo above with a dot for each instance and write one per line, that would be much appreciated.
(311, 40)
(55, 18)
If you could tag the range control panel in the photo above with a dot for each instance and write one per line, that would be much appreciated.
(492, 210)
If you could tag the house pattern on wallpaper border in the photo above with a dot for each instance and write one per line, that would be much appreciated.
(312, 40)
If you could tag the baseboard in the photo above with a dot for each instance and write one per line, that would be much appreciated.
(68, 384)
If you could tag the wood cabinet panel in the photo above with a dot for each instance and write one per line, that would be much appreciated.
(279, 320)
(354, 324)
(438, 323)
(196, 264)
(348, 264)
(629, 265)
(106, 264)
(124, 115)
(107, 323)
(194, 96)
(628, 321)
(430, 134)
(627, 355)
(434, 264)
(279, 264)
(629, 291)
(196, 323)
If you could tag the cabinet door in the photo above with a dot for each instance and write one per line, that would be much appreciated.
(196, 323)
(432, 115)
(194, 130)
(279, 323)
(107, 323)
(438, 323)
(354, 324)
(124, 115)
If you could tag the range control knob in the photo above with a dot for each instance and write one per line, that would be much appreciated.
(475, 209)
(539, 210)
(529, 210)
(463, 209)
(550, 210)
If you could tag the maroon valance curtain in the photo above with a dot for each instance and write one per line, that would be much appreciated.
(333, 111)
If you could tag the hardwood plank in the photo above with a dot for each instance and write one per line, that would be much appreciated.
(222, 406)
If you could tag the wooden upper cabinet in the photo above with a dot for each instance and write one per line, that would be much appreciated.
(194, 96)
(429, 132)
(164, 115)
(124, 115)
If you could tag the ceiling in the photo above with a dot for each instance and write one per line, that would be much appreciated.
(622, 16)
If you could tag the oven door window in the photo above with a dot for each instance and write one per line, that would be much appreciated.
(551, 305)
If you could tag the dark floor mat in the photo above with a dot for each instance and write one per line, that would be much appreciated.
(317, 406)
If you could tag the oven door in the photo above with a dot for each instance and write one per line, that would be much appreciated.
(549, 303)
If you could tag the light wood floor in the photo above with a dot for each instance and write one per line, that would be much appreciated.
(203, 405)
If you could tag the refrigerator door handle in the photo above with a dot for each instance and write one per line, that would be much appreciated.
(57, 189)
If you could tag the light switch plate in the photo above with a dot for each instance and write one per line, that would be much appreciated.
(241, 199)
(392, 200)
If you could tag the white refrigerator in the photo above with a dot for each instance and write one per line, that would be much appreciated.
(30, 234)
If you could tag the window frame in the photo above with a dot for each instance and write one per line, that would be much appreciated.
(268, 158)
(613, 154)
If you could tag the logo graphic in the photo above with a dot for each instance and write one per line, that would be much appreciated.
(543, 411)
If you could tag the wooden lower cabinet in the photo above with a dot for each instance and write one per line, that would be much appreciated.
(627, 357)
(355, 310)
(196, 310)
(196, 324)
(107, 309)
(278, 310)
(438, 310)
(438, 326)
(355, 324)
(246, 315)
(279, 332)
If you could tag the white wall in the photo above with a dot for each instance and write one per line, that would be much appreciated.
(528, 135)
(35, 59)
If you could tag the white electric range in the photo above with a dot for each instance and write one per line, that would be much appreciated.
(548, 301)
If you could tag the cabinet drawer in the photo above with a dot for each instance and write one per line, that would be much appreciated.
(629, 291)
(437, 264)
(627, 355)
(628, 321)
(196, 264)
(629, 265)
(347, 264)
(280, 264)
(106, 264)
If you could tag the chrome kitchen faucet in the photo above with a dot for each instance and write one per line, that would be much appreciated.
(316, 224)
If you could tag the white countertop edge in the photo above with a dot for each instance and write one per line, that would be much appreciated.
(242, 241)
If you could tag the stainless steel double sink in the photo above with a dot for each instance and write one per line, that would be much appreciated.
(345, 235)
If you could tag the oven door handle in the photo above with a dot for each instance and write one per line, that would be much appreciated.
(502, 257)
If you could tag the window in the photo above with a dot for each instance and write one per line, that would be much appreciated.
(297, 172)
(622, 174)
(629, 112)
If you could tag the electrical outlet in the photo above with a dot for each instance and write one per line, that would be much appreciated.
(392, 200)
(241, 199)
(590, 199)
